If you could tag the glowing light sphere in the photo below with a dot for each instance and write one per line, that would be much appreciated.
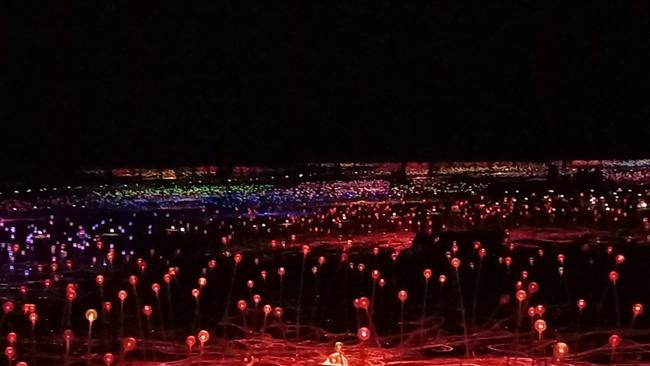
(610, 250)
(455, 262)
(23, 289)
(47, 283)
(241, 305)
(613, 276)
(108, 359)
(133, 280)
(482, 253)
(504, 299)
(21, 363)
(129, 344)
(257, 299)
(33, 318)
(614, 340)
(375, 274)
(361, 267)
(196, 293)
(250, 284)
(344, 257)
(531, 311)
(375, 251)
(267, 309)
(212, 264)
(278, 312)
(364, 303)
(560, 350)
(202, 282)
(561, 258)
(620, 259)
(99, 280)
(305, 250)
(91, 315)
(314, 270)
(238, 258)
(508, 261)
(147, 310)
(155, 287)
(10, 352)
(363, 334)
(122, 295)
(8, 307)
(582, 303)
(108, 306)
(533, 287)
(524, 275)
(382, 282)
(540, 310)
(394, 256)
(355, 303)
(442, 279)
(263, 275)
(281, 271)
(637, 309)
(540, 325)
(12, 338)
(519, 285)
(402, 295)
(427, 274)
(68, 335)
(167, 278)
(321, 260)
(190, 341)
(521, 295)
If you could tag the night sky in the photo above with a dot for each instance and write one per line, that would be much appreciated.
(115, 83)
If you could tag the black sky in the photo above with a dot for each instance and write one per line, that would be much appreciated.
(113, 83)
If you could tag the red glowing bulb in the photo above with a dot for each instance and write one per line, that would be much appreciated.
(363, 334)
(196, 293)
(382, 282)
(281, 271)
(12, 338)
(257, 299)
(321, 260)
(278, 312)
(637, 309)
(364, 303)
(241, 305)
(202, 281)
(250, 284)
(99, 280)
(375, 274)
(155, 288)
(108, 359)
(10, 352)
(540, 310)
(582, 304)
(455, 262)
(167, 278)
(68, 335)
(212, 264)
(122, 295)
(147, 310)
(190, 341)
(108, 306)
(267, 309)
(533, 287)
(482, 252)
(402, 295)
(521, 295)
(614, 340)
(263, 274)
(129, 344)
(8, 307)
(238, 258)
(613, 276)
(620, 259)
(442, 279)
(133, 280)
(427, 273)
